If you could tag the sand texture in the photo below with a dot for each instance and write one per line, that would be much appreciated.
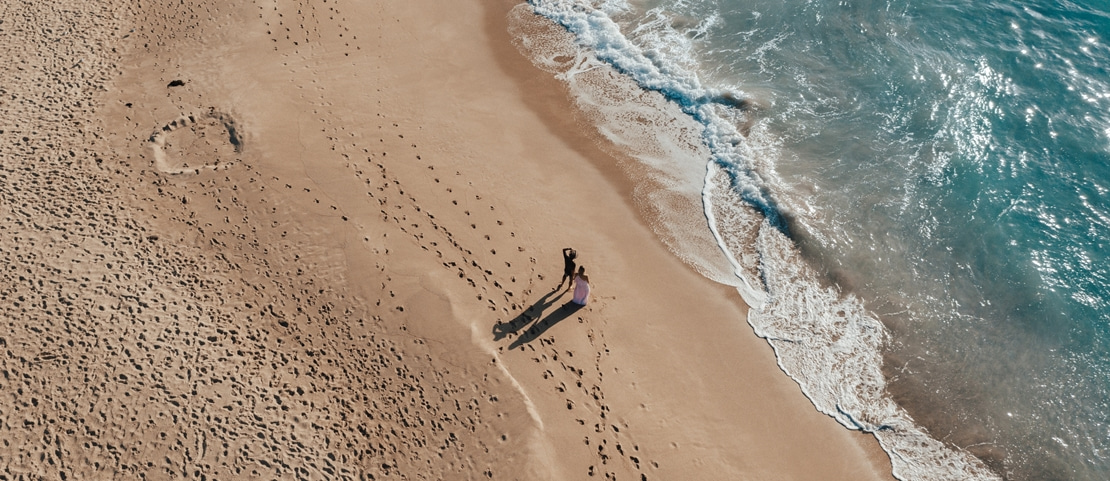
(285, 239)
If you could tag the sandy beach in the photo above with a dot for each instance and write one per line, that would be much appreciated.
(322, 240)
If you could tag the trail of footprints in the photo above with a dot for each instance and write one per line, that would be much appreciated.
(124, 347)
(578, 380)
(496, 277)
(125, 353)
(323, 333)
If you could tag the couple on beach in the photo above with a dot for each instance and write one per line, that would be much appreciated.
(578, 279)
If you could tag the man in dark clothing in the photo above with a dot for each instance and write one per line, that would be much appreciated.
(568, 267)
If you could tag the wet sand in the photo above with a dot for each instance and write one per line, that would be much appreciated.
(322, 239)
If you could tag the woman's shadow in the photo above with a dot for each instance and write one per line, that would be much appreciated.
(534, 319)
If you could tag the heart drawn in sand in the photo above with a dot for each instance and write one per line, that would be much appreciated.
(194, 142)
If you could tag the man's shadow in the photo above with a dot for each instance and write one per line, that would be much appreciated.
(535, 313)
(530, 314)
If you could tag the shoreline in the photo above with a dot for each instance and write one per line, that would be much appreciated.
(561, 118)
(333, 291)
(785, 321)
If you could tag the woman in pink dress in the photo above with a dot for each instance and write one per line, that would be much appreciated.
(581, 287)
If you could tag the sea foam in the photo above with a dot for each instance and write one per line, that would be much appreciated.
(696, 144)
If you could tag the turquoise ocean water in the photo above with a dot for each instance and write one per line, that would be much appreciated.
(913, 195)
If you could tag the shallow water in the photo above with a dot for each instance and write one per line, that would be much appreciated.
(914, 197)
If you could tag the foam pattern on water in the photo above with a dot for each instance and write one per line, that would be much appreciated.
(825, 340)
(653, 71)
(665, 143)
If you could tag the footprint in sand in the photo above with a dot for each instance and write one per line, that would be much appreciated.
(199, 141)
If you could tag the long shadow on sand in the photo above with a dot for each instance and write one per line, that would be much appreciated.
(535, 313)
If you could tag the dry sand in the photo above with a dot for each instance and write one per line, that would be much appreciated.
(319, 240)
